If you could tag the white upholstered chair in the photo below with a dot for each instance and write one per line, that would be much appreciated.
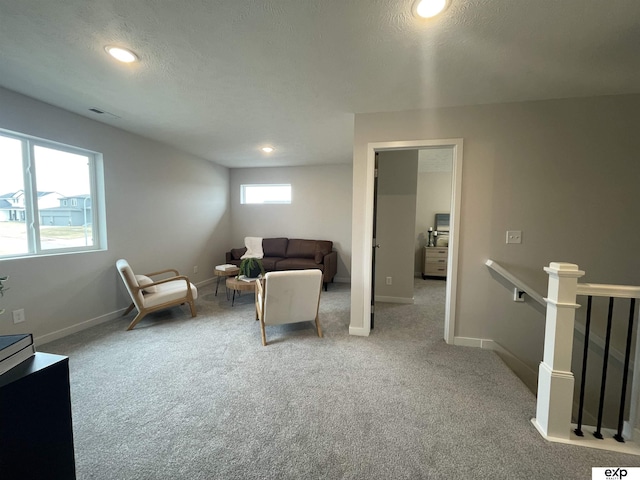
(149, 296)
(288, 297)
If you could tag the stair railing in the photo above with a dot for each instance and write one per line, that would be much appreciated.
(612, 292)
(555, 378)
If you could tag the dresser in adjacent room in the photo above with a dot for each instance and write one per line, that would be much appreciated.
(434, 262)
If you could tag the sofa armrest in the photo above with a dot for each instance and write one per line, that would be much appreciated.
(330, 262)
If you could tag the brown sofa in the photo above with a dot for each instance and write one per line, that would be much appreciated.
(294, 254)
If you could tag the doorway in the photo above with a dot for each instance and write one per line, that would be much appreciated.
(416, 183)
(361, 297)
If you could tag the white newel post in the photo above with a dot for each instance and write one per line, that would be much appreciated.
(555, 379)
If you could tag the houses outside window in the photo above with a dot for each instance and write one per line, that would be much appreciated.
(48, 193)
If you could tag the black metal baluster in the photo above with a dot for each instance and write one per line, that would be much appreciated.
(605, 362)
(627, 354)
(587, 327)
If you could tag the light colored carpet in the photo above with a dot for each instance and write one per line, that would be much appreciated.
(183, 398)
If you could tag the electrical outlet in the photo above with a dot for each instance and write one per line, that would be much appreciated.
(514, 236)
(18, 316)
(195, 269)
(389, 280)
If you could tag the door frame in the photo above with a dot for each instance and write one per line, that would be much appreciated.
(454, 226)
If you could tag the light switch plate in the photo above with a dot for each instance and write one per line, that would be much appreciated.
(514, 236)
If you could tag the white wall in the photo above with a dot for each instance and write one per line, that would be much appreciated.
(565, 172)
(165, 209)
(395, 227)
(433, 196)
(320, 208)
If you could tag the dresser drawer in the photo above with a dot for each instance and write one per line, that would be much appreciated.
(435, 270)
(437, 252)
(435, 261)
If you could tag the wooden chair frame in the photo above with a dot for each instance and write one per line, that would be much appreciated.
(143, 311)
(261, 291)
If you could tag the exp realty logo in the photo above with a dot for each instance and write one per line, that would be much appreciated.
(615, 473)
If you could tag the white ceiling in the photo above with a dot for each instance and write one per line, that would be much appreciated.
(220, 78)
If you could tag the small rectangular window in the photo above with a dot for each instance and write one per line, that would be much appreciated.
(47, 197)
(260, 194)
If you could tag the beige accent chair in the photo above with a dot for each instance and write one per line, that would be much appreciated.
(288, 297)
(149, 296)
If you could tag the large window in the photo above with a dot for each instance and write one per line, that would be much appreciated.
(265, 194)
(50, 197)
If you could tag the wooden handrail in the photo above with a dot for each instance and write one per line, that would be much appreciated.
(516, 282)
(586, 289)
(603, 290)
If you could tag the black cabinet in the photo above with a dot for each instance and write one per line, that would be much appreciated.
(36, 435)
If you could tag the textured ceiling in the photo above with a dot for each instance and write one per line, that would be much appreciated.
(221, 78)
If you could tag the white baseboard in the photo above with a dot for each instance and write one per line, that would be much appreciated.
(381, 298)
(359, 331)
(92, 322)
(205, 282)
(470, 342)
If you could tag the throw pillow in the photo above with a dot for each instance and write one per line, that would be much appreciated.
(144, 280)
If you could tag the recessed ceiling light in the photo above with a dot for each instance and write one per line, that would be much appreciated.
(429, 8)
(121, 54)
(267, 149)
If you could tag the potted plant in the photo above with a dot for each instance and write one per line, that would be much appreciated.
(2, 290)
(251, 267)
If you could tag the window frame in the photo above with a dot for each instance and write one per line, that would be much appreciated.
(31, 209)
(243, 193)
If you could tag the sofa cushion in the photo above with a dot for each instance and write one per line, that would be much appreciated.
(301, 248)
(275, 247)
(236, 253)
(323, 247)
(269, 263)
(168, 292)
(298, 264)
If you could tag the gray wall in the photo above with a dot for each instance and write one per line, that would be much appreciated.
(165, 209)
(320, 208)
(565, 172)
(396, 207)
